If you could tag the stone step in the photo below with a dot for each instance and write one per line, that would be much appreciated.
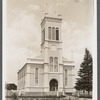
(42, 94)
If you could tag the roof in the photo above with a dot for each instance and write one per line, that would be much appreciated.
(39, 57)
(65, 59)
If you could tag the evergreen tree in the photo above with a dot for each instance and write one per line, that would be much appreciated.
(84, 82)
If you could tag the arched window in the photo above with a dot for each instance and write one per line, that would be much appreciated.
(57, 34)
(65, 77)
(53, 33)
(55, 64)
(43, 35)
(51, 64)
(36, 77)
(49, 33)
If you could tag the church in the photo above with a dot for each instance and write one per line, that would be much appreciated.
(50, 71)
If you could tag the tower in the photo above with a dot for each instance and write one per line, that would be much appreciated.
(51, 46)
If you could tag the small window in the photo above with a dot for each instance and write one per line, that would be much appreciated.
(36, 77)
(65, 77)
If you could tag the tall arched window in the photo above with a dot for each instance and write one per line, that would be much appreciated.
(43, 35)
(55, 64)
(51, 64)
(49, 33)
(36, 77)
(53, 33)
(57, 34)
(65, 77)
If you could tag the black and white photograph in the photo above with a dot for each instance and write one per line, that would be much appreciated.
(49, 50)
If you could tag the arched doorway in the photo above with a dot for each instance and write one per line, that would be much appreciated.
(53, 85)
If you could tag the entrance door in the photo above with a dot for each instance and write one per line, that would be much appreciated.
(53, 85)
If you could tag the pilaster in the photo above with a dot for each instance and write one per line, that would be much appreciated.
(61, 77)
(27, 78)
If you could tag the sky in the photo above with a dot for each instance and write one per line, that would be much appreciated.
(23, 30)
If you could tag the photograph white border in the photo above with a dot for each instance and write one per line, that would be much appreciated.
(4, 3)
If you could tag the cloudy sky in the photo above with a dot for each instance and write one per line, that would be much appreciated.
(23, 30)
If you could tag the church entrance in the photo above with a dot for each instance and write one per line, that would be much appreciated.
(53, 85)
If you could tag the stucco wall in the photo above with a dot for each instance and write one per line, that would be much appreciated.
(69, 87)
(31, 75)
(21, 78)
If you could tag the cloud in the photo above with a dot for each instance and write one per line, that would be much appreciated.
(22, 33)
(76, 35)
(33, 7)
(76, 39)
(24, 30)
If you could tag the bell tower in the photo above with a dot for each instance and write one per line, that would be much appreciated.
(51, 39)
(51, 30)
(51, 47)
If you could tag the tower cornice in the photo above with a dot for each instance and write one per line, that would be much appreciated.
(51, 41)
(51, 19)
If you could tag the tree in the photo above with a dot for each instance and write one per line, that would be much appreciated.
(11, 86)
(84, 82)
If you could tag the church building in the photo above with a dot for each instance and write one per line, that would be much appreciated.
(50, 71)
